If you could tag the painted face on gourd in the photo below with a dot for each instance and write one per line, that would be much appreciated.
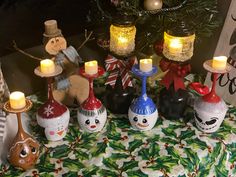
(142, 122)
(55, 45)
(24, 154)
(92, 123)
(206, 123)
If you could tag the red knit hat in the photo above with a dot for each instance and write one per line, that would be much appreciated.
(51, 109)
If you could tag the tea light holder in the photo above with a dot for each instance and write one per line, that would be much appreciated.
(177, 51)
(210, 109)
(24, 151)
(143, 113)
(52, 115)
(92, 115)
(119, 91)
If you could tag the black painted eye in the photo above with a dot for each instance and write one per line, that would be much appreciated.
(33, 150)
(23, 153)
(135, 119)
(57, 40)
(87, 122)
(211, 122)
(198, 118)
(52, 42)
(144, 121)
(96, 121)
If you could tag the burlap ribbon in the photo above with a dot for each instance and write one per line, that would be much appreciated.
(118, 67)
(176, 73)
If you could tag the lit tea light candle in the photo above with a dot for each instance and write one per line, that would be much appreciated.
(17, 100)
(91, 67)
(145, 65)
(175, 46)
(219, 62)
(47, 66)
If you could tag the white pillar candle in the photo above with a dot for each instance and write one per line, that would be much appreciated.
(47, 66)
(175, 46)
(145, 65)
(17, 100)
(91, 67)
(219, 62)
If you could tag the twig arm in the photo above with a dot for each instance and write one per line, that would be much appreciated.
(25, 53)
(87, 38)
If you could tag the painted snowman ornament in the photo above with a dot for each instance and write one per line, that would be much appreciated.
(209, 116)
(92, 120)
(92, 115)
(54, 117)
(143, 113)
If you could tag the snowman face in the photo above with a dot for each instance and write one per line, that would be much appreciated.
(142, 122)
(24, 154)
(55, 45)
(55, 128)
(57, 132)
(93, 123)
(207, 122)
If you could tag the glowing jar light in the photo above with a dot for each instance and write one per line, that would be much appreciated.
(178, 42)
(219, 62)
(122, 35)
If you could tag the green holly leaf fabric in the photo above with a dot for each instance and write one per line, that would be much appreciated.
(171, 148)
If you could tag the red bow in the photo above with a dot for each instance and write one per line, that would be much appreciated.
(175, 74)
(116, 67)
(199, 88)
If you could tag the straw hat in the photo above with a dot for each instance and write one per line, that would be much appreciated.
(51, 29)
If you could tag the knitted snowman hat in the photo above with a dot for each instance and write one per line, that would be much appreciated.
(51, 109)
(91, 107)
(143, 106)
(51, 112)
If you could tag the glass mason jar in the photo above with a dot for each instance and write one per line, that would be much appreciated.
(178, 42)
(122, 36)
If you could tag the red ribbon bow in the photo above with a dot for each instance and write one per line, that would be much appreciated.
(175, 74)
(199, 88)
(116, 67)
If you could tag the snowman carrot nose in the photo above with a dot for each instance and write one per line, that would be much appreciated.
(60, 132)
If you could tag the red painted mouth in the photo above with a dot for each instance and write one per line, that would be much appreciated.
(93, 126)
(141, 125)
